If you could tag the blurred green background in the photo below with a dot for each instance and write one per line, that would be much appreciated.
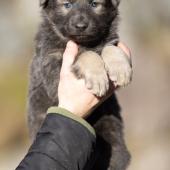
(145, 28)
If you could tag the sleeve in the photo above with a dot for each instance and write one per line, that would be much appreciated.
(64, 142)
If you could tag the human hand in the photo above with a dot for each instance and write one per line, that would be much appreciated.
(72, 92)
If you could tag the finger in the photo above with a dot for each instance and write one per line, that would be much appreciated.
(69, 56)
(124, 48)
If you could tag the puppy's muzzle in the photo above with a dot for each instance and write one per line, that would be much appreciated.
(78, 24)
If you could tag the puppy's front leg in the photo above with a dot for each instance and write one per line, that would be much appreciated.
(50, 69)
(118, 65)
(90, 66)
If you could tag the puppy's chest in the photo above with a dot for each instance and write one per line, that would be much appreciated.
(96, 49)
(57, 53)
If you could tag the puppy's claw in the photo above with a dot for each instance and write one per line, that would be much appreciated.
(98, 84)
(88, 84)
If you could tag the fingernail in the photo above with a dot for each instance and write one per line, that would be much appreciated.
(124, 48)
(70, 43)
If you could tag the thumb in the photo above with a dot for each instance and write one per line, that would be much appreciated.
(69, 56)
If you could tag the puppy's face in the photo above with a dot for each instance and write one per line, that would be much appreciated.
(83, 21)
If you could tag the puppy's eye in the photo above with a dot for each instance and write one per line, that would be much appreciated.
(67, 5)
(94, 4)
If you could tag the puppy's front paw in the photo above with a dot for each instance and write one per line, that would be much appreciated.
(91, 67)
(118, 65)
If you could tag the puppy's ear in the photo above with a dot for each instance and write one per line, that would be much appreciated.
(43, 2)
(115, 2)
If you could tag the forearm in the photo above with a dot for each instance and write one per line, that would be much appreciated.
(64, 141)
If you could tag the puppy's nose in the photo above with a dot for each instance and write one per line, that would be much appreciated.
(81, 26)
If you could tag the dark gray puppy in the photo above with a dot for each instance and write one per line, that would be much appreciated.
(92, 24)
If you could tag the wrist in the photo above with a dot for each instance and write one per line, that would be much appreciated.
(66, 113)
(72, 109)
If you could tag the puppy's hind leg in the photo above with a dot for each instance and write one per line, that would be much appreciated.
(113, 154)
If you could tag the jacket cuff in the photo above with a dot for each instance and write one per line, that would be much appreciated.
(66, 113)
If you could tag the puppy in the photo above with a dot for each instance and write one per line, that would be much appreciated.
(92, 24)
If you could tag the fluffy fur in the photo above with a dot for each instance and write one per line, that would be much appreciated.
(92, 25)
